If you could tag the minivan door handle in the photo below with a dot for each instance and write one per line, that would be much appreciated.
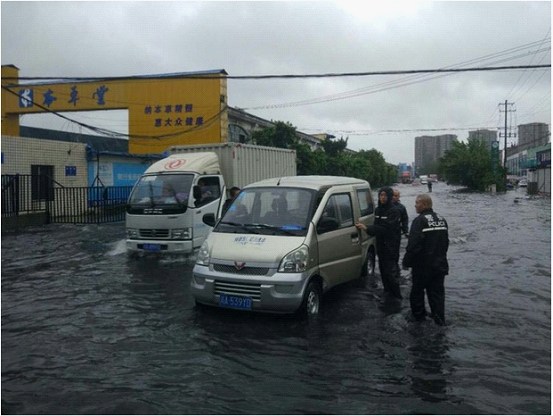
(355, 237)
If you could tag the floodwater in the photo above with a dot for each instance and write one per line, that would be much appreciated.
(86, 329)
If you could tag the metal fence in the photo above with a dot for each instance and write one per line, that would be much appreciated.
(32, 194)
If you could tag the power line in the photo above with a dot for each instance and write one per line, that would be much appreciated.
(288, 76)
(372, 89)
(112, 133)
(397, 131)
(546, 38)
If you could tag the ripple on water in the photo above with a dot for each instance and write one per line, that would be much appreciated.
(85, 329)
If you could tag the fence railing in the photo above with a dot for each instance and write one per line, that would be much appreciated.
(30, 194)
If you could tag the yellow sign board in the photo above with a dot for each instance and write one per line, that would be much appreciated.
(163, 111)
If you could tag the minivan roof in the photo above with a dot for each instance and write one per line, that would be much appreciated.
(310, 181)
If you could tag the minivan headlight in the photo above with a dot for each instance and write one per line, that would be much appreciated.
(203, 255)
(132, 233)
(295, 261)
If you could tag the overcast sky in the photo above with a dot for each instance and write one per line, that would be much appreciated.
(384, 112)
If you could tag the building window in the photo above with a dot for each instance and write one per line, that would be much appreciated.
(42, 183)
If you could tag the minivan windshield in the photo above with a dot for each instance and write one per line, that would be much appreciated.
(162, 190)
(272, 210)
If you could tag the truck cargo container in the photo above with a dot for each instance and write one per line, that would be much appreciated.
(166, 206)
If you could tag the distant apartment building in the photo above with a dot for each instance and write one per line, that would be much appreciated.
(485, 135)
(532, 135)
(429, 149)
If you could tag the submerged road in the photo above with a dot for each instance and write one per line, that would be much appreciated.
(86, 329)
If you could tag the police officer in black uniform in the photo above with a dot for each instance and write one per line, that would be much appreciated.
(404, 215)
(426, 254)
(387, 229)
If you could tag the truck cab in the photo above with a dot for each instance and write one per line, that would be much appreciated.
(166, 206)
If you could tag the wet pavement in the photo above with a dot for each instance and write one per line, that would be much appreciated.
(86, 329)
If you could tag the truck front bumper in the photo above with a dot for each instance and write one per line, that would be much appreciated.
(160, 246)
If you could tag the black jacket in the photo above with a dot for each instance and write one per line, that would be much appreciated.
(387, 227)
(404, 217)
(428, 243)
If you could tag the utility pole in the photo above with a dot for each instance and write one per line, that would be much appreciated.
(506, 128)
(505, 153)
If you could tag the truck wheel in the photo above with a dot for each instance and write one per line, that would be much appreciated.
(311, 300)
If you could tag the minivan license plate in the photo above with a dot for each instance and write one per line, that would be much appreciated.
(238, 302)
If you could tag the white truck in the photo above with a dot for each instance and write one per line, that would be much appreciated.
(167, 204)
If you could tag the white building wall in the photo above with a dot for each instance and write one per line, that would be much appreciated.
(19, 153)
(543, 179)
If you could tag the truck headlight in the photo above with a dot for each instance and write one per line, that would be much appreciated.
(181, 234)
(295, 261)
(132, 233)
(203, 256)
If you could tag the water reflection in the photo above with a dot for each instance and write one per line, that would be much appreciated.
(430, 363)
(85, 329)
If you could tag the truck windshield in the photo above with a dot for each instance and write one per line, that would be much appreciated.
(162, 190)
(274, 211)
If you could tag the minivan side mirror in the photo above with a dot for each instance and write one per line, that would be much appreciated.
(327, 224)
(209, 219)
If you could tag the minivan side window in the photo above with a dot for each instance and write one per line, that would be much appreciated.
(339, 207)
(366, 203)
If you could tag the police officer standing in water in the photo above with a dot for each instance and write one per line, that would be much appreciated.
(426, 254)
(403, 211)
(387, 229)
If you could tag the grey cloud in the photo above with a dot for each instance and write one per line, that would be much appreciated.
(248, 38)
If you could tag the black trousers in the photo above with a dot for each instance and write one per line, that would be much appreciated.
(389, 272)
(433, 284)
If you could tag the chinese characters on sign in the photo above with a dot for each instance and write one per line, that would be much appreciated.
(49, 98)
(129, 177)
(26, 96)
(74, 95)
(172, 115)
(167, 115)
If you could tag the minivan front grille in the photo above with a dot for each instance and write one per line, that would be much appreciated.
(240, 289)
(159, 233)
(246, 271)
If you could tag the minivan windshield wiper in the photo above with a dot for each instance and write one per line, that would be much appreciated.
(271, 227)
(246, 227)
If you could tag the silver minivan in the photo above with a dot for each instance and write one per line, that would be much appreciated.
(284, 242)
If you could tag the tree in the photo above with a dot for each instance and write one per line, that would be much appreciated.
(335, 147)
(469, 164)
(332, 160)
(310, 162)
(280, 134)
(381, 172)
